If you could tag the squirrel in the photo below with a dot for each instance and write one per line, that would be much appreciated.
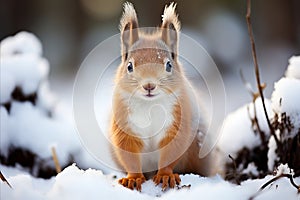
(150, 79)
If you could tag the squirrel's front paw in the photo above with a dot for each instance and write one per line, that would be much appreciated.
(167, 179)
(132, 182)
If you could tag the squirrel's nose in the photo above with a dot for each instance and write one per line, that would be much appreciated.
(149, 86)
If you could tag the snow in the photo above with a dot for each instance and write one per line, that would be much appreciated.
(46, 124)
(251, 169)
(21, 43)
(4, 138)
(237, 129)
(21, 64)
(272, 156)
(47, 131)
(293, 70)
(284, 169)
(74, 183)
(47, 100)
(38, 127)
(7, 85)
(286, 98)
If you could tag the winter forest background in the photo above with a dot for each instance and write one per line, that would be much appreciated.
(38, 68)
(70, 29)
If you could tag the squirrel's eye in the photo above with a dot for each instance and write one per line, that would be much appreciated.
(130, 67)
(168, 66)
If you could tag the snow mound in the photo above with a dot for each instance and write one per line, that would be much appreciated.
(21, 43)
(293, 70)
(21, 64)
(286, 118)
(74, 183)
(49, 132)
(32, 117)
(237, 130)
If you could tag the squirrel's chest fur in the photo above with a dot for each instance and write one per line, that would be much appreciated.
(150, 120)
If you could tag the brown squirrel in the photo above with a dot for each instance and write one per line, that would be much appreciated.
(148, 77)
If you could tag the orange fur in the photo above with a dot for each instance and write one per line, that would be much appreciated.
(148, 56)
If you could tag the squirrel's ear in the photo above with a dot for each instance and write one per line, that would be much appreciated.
(128, 29)
(170, 28)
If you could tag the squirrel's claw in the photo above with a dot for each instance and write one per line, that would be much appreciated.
(132, 183)
(169, 180)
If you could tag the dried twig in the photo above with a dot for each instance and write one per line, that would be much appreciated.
(55, 159)
(259, 85)
(254, 120)
(290, 176)
(255, 124)
(4, 179)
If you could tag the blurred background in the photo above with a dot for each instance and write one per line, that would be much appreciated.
(70, 29)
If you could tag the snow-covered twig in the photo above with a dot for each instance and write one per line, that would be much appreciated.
(289, 176)
(259, 85)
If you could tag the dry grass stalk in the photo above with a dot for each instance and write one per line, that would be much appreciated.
(55, 159)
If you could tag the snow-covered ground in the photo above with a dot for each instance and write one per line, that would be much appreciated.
(74, 183)
(44, 121)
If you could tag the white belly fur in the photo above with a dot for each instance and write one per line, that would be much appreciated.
(150, 120)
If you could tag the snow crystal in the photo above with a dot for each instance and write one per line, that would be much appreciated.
(293, 70)
(237, 130)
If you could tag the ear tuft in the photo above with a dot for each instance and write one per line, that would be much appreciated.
(170, 17)
(170, 29)
(128, 29)
(129, 15)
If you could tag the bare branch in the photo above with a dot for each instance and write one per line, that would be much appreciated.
(259, 85)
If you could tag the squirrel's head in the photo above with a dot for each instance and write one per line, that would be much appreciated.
(149, 67)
